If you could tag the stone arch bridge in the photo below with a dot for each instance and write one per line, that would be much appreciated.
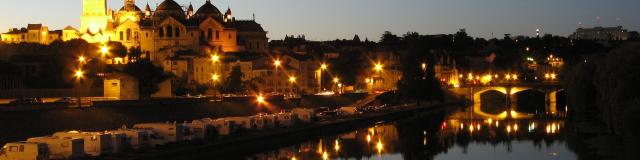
(473, 92)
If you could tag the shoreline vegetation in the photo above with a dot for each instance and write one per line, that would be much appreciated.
(604, 100)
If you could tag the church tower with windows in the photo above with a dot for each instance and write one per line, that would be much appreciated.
(94, 16)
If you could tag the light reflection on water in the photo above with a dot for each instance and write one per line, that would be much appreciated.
(446, 138)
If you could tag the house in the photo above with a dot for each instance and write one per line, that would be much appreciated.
(121, 86)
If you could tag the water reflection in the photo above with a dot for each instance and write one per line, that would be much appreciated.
(437, 136)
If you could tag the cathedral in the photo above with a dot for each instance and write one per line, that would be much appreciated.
(168, 29)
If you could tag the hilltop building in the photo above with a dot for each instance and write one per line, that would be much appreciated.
(158, 33)
(601, 33)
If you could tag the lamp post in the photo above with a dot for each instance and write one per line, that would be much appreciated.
(323, 67)
(292, 81)
(277, 64)
(104, 50)
(261, 100)
(378, 68)
(79, 74)
(215, 58)
(214, 80)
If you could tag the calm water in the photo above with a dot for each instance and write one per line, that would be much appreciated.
(441, 136)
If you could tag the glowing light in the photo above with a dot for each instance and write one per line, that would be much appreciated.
(104, 50)
(215, 77)
(368, 138)
(277, 63)
(292, 79)
(515, 127)
(336, 80)
(508, 129)
(337, 145)
(82, 59)
(215, 58)
(323, 66)
(486, 79)
(378, 67)
(78, 74)
(424, 66)
(379, 146)
(261, 99)
(325, 155)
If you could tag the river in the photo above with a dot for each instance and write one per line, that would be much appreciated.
(446, 135)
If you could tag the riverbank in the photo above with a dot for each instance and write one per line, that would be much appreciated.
(257, 141)
(18, 126)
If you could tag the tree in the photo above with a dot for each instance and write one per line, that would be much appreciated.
(233, 83)
(148, 75)
(417, 83)
(116, 49)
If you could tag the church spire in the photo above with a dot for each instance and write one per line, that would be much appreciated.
(228, 16)
(190, 11)
(147, 10)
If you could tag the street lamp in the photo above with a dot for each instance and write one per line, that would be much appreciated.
(79, 74)
(277, 64)
(104, 50)
(214, 79)
(378, 67)
(261, 101)
(215, 58)
(82, 60)
(323, 67)
(292, 81)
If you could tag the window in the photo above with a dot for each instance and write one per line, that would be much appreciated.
(169, 31)
(218, 35)
(229, 35)
(209, 34)
(128, 34)
(160, 32)
(177, 32)
(13, 149)
(121, 35)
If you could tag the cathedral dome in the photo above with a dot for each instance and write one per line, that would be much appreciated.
(170, 8)
(209, 10)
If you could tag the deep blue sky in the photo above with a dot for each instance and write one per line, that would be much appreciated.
(331, 19)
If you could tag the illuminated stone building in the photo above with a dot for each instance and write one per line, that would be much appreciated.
(158, 33)
(34, 33)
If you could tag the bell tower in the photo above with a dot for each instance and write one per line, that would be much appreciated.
(94, 16)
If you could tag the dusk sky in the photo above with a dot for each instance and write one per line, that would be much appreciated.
(332, 19)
